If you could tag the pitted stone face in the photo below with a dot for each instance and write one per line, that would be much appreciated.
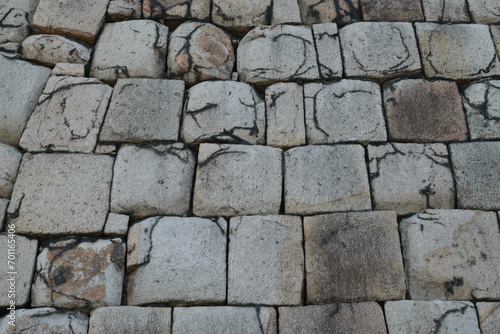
(176, 10)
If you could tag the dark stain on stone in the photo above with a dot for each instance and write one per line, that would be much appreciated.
(60, 275)
(456, 282)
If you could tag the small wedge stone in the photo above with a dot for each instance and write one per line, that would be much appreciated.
(116, 225)
(489, 317)
(327, 11)
(392, 10)
(65, 69)
(130, 320)
(327, 42)
(482, 105)
(485, 11)
(176, 10)
(122, 10)
(446, 11)
(10, 158)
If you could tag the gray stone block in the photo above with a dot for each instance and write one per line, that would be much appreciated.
(116, 225)
(327, 41)
(66, 69)
(122, 10)
(489, 317)
(10, 158)
(285, 11)
(14, 28)
(484, 11)
(495, 34)
(446, 11)
(130, 320)
(326, 11)
(4, 203)
(176, 10)
(241, 15)
(28, 6)
(482, 105)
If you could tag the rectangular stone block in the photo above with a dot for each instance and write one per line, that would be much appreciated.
(484, 11)
(446, 11)
(285, 11)
(130, 320)
(481, 102)
(10, 158)
(326, 38)
(325, 11)
(489, 317)
(392, 10)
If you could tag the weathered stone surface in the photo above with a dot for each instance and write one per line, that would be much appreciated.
(424, 111)
(451, 51)
(266, 260)
(105, 149)
(277, 53)
(127, 49)
(121, 10)
(237, 180)
(225, 319)
(3, 211)
(116, 225)
(484, 11)
(23, 265)
(326, 178)
(285, 11)
(224, 111)
(151, 180)
(482, 105)
(342, 318)
(495, 34)
(240, 14)
(49, 50)
(353, 257)
(59, 194)
(144, 110)
(200, 51)
(68, 116)
(14, 27)
(176, 10)
(445, 11)
(46, 320)
(489, 317)
(179, 261)
(392, 10)
(327, 42)
(344, 111)
(66, 69)
(380, 50)
(285, 115)
(28, 6)
(10, 158)
(452, 254)
(409, 316)
(130, 320)
(410, 178)
(20, 86)
(79, 273)
(73, 18)
(322, 11)
(476, 168)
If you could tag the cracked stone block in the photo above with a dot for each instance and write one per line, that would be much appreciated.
(122, 10)
(489, 317)
(237, 180)
(484, 11)
(344, 111)
(20, 86)
(285, 11)
(495, 34)
(23, 267)
(482, 105)
(409, 178)
(144, 110)
(353, 257)
(130, 320)
(392, 10)
(4, 203)
(325, 11)
(321, 179)
(79, 272)
(60, 194)
(285, 115)
(344, 318)
(224, 111)
(477, 174)
(136, 48)
(65, 69)
(151, 180)
(180, 261)
(424, 111)
(176, 10)
(242, 15)
(116, 225)
(73, 18)
(446, 11)
(200, 51)
(277, 53)
(10, 158)
(327, 42)
(14, 28)
(28, 6)
(68, 116)
(49, 50)
(380, 50)
(451, 51)
(46, 320)
(225, 319)
(452, 254)
(438, 316)
(266, 260)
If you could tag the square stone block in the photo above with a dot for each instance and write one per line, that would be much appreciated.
(116, 225)
(482, 105)
(130, 320)
(326, 37)
(325, 11)
(446, 11)
(489, 317)
(484, 11)
(10, 158)
(392, 10)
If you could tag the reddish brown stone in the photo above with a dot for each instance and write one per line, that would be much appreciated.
(392, 10)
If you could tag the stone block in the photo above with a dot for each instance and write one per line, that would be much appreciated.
(116, 225)
(327, 41)
(65, 69)
(489, 317)
(10, 158)
(14, 28)
(122, 10)
(176, 10)
(130, 320)
(392, 10)
(326, 11)
(105, 149)
(241, 15)
(446, 11)
(285, 11)
(28, 6)
(4, 203)
(482, 105)
(484, 11)
(495, 34)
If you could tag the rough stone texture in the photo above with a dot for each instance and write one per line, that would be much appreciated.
(266, 260)
(121, 10)
(484, 11)
(28, 6)
(489, 317)
(224, 111)
(151, 180)
(326, 37)
(322, 11)
(410, 178)
(380, 50)
(130, 320)
(20, 86)
(144, 110)
(105, 149)
(408, 316)
(200, 51)
(65, 69)
(446, 11)
(344, 111)
(353, 257)
(424, 111)
(326, 178)
(495, 34)
(79, 273)
(73, 18)
(277, 53)
(49, 50)
(23, 265)
(127, 49)
(116, 225)
(179, 261)
(477, 174)
(342, 318)
(392, 10)
(4, 203)
(482, 106)
(237, 180)
(176, 10)
(59, 194)
(225, 319)
(241, 14)
(46, 320)
(452, 254)
(14, 28)
(10, 158)
(285, 11)
(451, 51)
(285, 115)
